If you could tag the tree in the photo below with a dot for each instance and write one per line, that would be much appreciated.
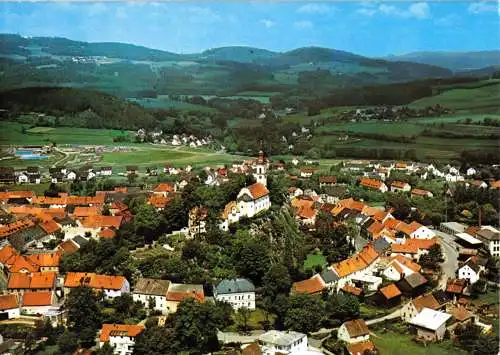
(252, 261)
(243, 316)
(84, 314)
(156, 341)
(342, 307)
(468, 335)
(304, 313)
(67, 342)
(147, 222)
(131, 178)
(106, 349)
(175, 215)
(486, 345)
(195, 327)
(433, 258)
(276, 281)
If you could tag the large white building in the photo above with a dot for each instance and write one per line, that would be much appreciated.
(253, 199)
(281, 342)
(152, 290)
(238, 293)
(121, 337)
(250, 201)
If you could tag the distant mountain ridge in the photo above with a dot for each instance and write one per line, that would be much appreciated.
(127, 69)
(456, 61)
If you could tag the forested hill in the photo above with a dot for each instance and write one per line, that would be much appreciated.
(82, 108)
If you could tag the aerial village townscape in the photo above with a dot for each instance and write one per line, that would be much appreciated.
(242, 201)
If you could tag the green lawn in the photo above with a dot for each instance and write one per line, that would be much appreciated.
(255, 323)
(392, 343)
(314, 259)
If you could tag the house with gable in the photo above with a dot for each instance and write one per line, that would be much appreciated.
(353, 331)
(373, 184)
(152, 290)
(430, 324)
(400, 186)
(121, 337)
(313, 286)
(37, 303)
(399, 267)
(471, 270)
(9, 307)
(178, 292)
(415, 306)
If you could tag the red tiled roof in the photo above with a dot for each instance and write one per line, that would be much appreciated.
(399, 184)
(420, 192)
(86, 211)
(96, 281)
(360, 348)
(43, 280)
(5, 196)
(312, 286)
(8, 302)
(45, 259)
(390, 291)
(16, 226)
(407, 262)
(356, 328)
(33, 299)
(427, 301)
(352, 290)
(7, 255)
(107, 233)
(68, 247)
(329, 179)
(18, 280)
(164, 187)
(23, 264)
(49, 226)
(129, 330)
(102, 221)
(258, 190)
(371, 183)
(159, 201)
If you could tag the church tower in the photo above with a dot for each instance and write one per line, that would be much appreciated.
(260, 169)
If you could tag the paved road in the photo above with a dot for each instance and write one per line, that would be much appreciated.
(450, 254)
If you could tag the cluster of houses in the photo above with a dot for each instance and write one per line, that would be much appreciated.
(157, 136)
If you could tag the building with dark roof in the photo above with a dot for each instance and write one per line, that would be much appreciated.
(152, 292)
(238, 293)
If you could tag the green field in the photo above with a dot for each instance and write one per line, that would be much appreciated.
(392, 343)
(485, 98)
(12, 135)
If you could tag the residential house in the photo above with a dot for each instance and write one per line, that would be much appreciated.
(353, 331)
(106, 171)
(152, 290)
(121, 337)
(460, 317)
(46, 261)
(22, 178)
(111, 286)
(471, 171)
(164, 189)
(230, 215)
(400, 266)
(313, 286)
(415, 306)
(413, 248)
(294, 192)
(283, 342)
(71, 175)
(9, 307)
(327, 180)
(305, 211)
(178, 292)
(330, 278)
(352, 290)
(412, 285)
(373, 184)
(490, 237)
(20, 282)
(430, 324)
(368, 283)
(456, 287)
(159, 201)
(471, 271)
(361, 348)
(389, 295)
(400, 186)
(132, 169)
(37, 303)
(421, 193)
(307, 172)
(238, 293)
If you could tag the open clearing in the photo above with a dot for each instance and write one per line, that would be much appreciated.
(39, 129)
(392, 343)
